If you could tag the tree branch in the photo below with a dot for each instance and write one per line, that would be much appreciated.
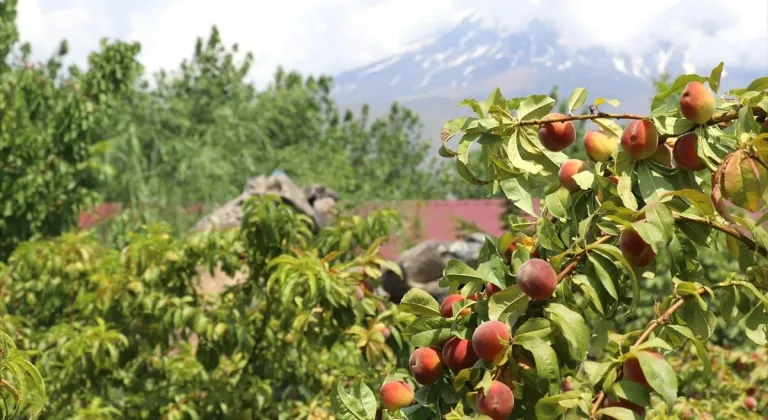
(580, 256)
(725, 229)
(662, 320)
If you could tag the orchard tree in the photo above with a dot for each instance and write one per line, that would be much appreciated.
(536, 330)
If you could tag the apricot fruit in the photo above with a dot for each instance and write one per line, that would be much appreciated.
(635, 249)
(684, 153)
(498, 403)
(487, 340)
(633, 371)
(396, 395)
(556, 136)
(640, 139)
(383, 329)
(446, 308)
(426, 365)
(697, 103)
(537, 279)
(568, 169)
(750, 403)
(600, 145)
(458, 354)
(491, 289)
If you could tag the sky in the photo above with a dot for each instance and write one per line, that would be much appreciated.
(330, 36)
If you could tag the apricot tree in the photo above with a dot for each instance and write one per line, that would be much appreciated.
(535, 331)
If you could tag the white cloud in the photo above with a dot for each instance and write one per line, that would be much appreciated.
(333, 35)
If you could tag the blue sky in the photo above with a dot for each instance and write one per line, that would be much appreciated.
(334, 35)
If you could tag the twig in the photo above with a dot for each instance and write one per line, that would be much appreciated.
(579, 256)
(585, 118)
(727, 230)
(716, 119)
(663, 319)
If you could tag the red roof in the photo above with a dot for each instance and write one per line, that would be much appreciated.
(438, 219)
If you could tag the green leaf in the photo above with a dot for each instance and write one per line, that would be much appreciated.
(696, 317)
(613, 251)
(660, 216)
(596, 371)
(632, 392)
(619, 413)
(606, 272)
(660, 375)
(578, 97)
(557, 203)
(419, 302)
(547, 366)
(624, 166)
(534, 329)
(457, 271)
(600, 101)
(535, 107)
(472, 103)
(652, 184)
(453, 127)
(517, 190)
(760, 84)
(650, 234)
(609, 126)
(429, 330)
(360, 404)
(756, 325)
(584, 179)
(653, 343)
(572, 326)
(699, 200)
(673, 125)
(495, 98)
(714, 77)
(507, 301)
(552, 407)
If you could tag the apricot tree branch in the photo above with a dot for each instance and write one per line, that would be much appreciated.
(725, 229)
(661, 320)
(580, 256)
(587, 117)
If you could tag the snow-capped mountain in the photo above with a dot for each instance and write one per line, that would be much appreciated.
(471, 59)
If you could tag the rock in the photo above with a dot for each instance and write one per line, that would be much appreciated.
(422, 265)
(230, 214)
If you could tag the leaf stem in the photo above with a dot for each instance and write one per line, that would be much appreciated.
(662, 320)
(725, 229)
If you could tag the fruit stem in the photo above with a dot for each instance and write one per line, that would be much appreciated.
(663, 319)
(751, 244)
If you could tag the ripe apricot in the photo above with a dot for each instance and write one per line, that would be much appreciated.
(684, 153)
(635, 249)
(396, 395)
(458, 354)
(633, 371)
(640, 139)
(487, 339)
(568, 169)
(537, 279)
(426, 365)
(491, 289)
(750, 403)
(446, 308)
(697, 103)
(556, 136)
(498, 403)
(663, 156)
(600, 145)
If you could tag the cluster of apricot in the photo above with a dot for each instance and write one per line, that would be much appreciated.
(490, 342)
(633, 372)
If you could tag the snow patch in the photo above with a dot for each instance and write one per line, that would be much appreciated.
(381, 66)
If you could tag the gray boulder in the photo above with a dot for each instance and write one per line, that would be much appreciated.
(422, 265)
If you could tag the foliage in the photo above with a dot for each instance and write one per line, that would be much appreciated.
(48, 124)
(578, 352)
(134, 333)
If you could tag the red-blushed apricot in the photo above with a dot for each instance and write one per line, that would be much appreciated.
(512, 247)
(498, 403)
(600, 145)
(684, 153)
(537, 279)
(635, 249)
(556, 136)
(396, 395)
(663, 156)
(568, 169)
(458, 354)
(697, 103)
(446, 308)
(383, 329)
(535, 254)
(487, 340)
(624, 404)
(640, 139)
(426, 365)
(614, 179)
(750, 403)
(633, 371)
(491, 289)
(474, 297)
